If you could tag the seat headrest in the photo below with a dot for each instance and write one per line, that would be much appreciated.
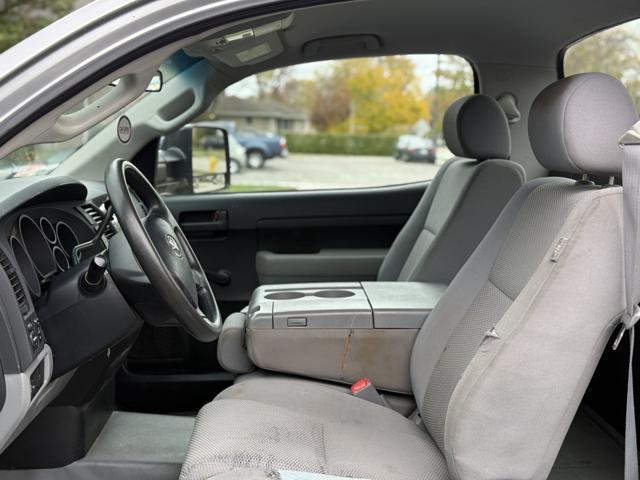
(475, 126)
(575, 123)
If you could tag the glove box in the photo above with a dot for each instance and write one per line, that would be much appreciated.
(340, 331)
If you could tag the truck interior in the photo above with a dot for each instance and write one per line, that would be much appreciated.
(460, 327)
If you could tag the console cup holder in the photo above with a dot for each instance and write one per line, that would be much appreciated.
(284, 295)
(334, 294)
(292, 295)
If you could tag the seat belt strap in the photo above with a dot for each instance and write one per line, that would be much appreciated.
(630, 440)
(630, 143)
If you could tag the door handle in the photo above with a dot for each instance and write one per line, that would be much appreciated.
(201, 222)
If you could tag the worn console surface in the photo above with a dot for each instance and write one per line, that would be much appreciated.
(340, 331)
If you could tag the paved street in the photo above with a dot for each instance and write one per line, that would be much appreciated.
(314, 171)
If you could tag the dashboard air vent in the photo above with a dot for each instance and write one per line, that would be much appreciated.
(95, 216)
(10, 270)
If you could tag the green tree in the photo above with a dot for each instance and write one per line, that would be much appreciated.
(614, 51)
(21, 18)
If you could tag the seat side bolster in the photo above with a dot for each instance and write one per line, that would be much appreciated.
(487, 192)
(402, 245)
(461, 292)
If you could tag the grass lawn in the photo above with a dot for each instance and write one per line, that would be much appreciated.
(255, 188)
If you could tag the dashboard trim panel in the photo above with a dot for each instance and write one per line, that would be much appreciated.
(19, 397)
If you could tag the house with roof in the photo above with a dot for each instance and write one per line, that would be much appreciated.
(263, 115)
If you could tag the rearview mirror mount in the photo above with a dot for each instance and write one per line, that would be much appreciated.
(155, 85)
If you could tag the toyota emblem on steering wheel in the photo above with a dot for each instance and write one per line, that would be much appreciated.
(173, 244)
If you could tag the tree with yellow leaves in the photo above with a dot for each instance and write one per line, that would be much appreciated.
(375, 94)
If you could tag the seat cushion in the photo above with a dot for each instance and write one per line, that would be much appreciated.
(295, 425)
(321, 400)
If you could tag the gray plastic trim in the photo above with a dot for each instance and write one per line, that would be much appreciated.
(17, 192)
(130, 446)
(402, 304)
(18, 401)
(346, 305)
(232, 353)
(325, 265)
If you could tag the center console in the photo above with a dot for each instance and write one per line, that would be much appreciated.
(340, 331)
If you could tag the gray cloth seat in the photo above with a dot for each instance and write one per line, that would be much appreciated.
(304, 426)
(500, 366)
(463, 200)
(454, 214)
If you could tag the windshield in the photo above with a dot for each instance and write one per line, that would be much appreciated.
(43, 158)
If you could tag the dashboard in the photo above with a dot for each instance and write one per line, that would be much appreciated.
(42, 220)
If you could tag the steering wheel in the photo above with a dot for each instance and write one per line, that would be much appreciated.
(162, 250)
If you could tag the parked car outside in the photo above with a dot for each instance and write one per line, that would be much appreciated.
(412, 148)
(259, 146)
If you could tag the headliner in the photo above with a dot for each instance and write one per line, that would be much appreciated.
(516, 32)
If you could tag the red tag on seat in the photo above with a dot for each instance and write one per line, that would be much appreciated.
(360, 385)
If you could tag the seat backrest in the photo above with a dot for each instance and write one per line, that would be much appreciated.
(502, 362)
(463, 200)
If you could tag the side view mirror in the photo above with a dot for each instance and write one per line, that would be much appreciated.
(194, 159)
(156, 83)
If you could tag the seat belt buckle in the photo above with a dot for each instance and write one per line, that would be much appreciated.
(619, 337)
(627, 322)
(365, 390)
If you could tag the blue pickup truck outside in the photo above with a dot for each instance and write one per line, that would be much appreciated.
(260, 146)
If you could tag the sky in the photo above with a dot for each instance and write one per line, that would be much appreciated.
(425, 68)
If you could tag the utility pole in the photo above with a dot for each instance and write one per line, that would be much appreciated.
(435, 108)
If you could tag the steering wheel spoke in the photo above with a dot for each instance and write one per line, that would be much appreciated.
(200, 278)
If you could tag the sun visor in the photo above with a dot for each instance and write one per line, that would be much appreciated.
(244, 45)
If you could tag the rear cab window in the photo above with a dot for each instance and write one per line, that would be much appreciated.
(615, 51)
